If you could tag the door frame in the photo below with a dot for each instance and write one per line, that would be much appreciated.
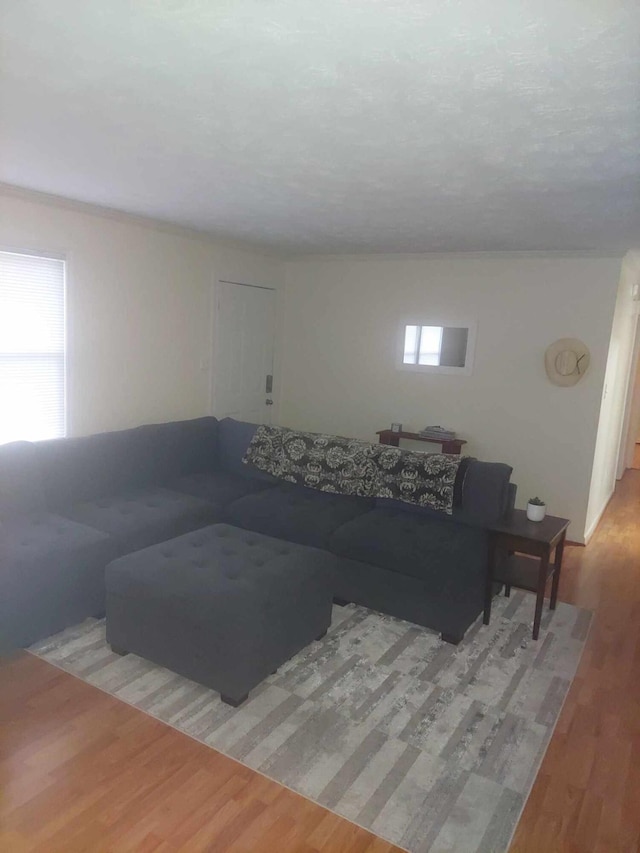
(627, 440)
(212, 341)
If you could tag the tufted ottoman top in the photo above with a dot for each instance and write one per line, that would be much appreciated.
(213, 561)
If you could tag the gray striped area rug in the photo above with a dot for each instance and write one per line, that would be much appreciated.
(431, 746)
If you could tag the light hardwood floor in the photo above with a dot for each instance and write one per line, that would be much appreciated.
(82, 772)
(587, 794)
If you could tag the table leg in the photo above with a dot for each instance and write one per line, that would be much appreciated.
(488, 591)
(542, 584)
(390, 439)
(556, 573)
(507, 587)
(451, 447)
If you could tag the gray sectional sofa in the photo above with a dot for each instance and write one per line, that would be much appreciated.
(68, 507)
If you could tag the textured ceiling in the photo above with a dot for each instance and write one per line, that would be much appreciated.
(334, 125)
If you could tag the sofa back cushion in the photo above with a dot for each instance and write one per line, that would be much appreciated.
(21, 488)
(82, 469)
(233, 439)
(172, 450)
(483, 497)
(112, 463)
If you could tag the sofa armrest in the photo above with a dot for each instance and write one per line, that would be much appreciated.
(485, 492)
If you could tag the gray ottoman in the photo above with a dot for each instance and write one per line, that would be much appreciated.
(222, 606)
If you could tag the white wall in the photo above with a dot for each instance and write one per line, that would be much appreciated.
(631, 426)
(139, 299)
(340, 327)
(614, 396)
(140, 340)
(634, 419)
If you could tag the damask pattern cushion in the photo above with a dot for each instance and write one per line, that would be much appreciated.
(352, 467)
(418, 478)
(325, 462)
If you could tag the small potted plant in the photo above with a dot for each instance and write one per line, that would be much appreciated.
(536, 509)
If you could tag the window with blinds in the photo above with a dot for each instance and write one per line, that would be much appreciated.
(32, 347)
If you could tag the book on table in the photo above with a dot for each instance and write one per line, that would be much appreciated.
(438, 432)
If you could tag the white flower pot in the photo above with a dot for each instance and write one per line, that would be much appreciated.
(536, 512)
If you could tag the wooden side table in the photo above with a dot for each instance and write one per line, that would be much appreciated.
(518, 536)
(453, 446)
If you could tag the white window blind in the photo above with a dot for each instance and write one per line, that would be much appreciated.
(32, 347)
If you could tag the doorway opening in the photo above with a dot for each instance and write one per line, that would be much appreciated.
(629, 456)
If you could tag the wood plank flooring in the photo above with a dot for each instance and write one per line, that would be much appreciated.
(587, 794)
(82, 772)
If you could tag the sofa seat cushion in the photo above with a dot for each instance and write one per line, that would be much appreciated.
(219, 487)
(432, 550)
(51, 575)
(31, 537)
(296, 513)
(141, 518)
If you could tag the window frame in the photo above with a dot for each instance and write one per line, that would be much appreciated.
(443, 321)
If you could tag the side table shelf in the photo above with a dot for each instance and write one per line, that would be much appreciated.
(521, 571)
(514, 537)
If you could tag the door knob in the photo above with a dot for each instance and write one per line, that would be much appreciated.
(268, 402)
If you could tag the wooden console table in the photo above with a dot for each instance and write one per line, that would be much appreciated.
(453, 446)
(538, 539)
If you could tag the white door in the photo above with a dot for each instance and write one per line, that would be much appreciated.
(243, 352)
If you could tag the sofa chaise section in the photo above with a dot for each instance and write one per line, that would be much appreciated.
(422, 565)
(51, 568)
(421, 569)
(51, 576)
